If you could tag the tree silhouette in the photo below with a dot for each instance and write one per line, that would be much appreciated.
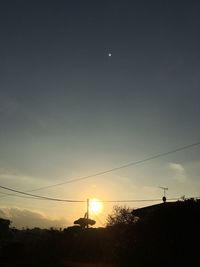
(4, 227)
(121, 216)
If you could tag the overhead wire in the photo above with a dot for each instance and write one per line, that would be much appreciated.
(38, 196)
(82, 201)
(136, 200)
(97, 174)
(119, 167)
(15, 195)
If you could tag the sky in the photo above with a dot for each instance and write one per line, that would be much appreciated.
(68, 109)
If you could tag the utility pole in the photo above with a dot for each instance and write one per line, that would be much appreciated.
(164, 193)
(87, 213)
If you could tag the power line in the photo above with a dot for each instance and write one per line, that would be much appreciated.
(78, 201)
(15, 195)
(98, 174)
(135, 200)
(39, 197)
(120, 167)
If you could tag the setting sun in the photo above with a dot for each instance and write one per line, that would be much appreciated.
(96, 206)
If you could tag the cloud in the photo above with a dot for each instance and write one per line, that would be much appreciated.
(27, 218)
(178, 172)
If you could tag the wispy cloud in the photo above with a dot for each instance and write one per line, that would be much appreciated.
(178, 171)
(28, 218)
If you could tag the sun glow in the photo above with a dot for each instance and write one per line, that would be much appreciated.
(96, 205)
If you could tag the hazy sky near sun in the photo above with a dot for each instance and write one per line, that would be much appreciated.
(68, 109)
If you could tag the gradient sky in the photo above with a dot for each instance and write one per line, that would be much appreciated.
(69, 110)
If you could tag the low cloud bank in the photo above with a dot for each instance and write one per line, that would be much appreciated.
(29, 219)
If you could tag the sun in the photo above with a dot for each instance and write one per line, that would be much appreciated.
(96, 205)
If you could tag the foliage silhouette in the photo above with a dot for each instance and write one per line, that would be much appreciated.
(121, 216)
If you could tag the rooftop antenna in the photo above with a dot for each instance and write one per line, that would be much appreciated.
(164, 193)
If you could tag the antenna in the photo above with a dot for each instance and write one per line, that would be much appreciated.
(164, 193)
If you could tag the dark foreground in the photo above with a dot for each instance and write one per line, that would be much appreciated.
(164, 235)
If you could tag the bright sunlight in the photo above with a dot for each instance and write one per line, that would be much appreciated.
(96, 206)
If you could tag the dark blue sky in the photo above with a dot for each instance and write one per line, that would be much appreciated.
(68, 110)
